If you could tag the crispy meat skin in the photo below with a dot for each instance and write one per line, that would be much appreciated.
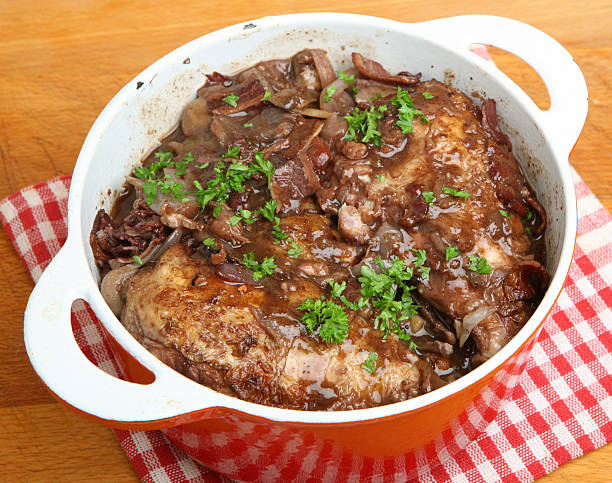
(341, 203)
(249, 343)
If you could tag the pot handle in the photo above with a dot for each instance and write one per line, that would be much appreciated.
(561, 75)
(74, 380)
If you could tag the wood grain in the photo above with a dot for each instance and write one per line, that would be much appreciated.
(62, 61)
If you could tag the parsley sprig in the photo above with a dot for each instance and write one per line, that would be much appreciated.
(370, 363)
(260, 270)
(381, 290)
(420, 257)
(167, 185)
(363, 125)
(451, 252)
(479, 264)
(327, 316)
(406, 111)
(329, 93)
(245, 216)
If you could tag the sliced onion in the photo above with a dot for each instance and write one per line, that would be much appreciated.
(472, 319)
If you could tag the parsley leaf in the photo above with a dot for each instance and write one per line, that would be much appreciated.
(260, 270)
(232, 152)
(380, 178)
(337, 290)
(150, 191)
(406, 111)
(370, 363)
(247, 124)
(181, 166)
(420, 257)
(326, 316)
(209, 242)
(454, 192)
(266, 167)
(381, 289)
(245, 216)
(504, 213)
(267, 95)
(269, 210)
(451, 252)
(346, 78)
(364, 123)
(428, 95)
(231, 99)
(329, 92)
(222, 184)
(294, 251)
(203, 165)
(429, 197)
(137, 259)
(479, 264)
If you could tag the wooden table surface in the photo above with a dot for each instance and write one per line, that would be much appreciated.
(62, 61)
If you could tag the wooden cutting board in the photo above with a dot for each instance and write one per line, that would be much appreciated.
(62, 61)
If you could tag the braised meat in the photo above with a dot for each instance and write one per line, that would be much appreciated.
(322, 240)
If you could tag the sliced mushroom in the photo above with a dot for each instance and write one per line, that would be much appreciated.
(112, 286)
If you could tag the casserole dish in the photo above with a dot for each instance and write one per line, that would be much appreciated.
(248, 441)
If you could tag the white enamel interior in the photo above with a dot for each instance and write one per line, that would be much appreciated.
(135, 121)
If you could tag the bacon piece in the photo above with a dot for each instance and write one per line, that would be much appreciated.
(249, 94)
(373, 70)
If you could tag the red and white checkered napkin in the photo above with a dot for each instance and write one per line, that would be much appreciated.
(561, 409)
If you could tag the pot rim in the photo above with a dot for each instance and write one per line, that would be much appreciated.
(168, 380)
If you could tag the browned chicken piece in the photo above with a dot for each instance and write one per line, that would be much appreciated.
(448, 151)
(251, 344)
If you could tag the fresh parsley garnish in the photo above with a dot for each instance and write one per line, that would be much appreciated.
(269, 210)
(269, 213)
(231, 99)
(428, 95)
(203, 165)
(429, 197)
(260, 270)
(337, 290)
(504, 213)
(222, 184)
(209, 242)
(479, 264)
(370, 363)
(245, 216)
(451, 252)
(326, 316)
(232, 152)
(406, 111)
(267, 95)
(181, 166)
(364, 123)
(355, 89)
(346, 78)
(294, 251)
(329, 92)
(248, 124)
(137, 259)
(264, 166)
(381, 291)
(380, 178)
(454, 192)
(420, 257)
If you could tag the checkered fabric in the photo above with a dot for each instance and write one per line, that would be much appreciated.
(560, 409)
